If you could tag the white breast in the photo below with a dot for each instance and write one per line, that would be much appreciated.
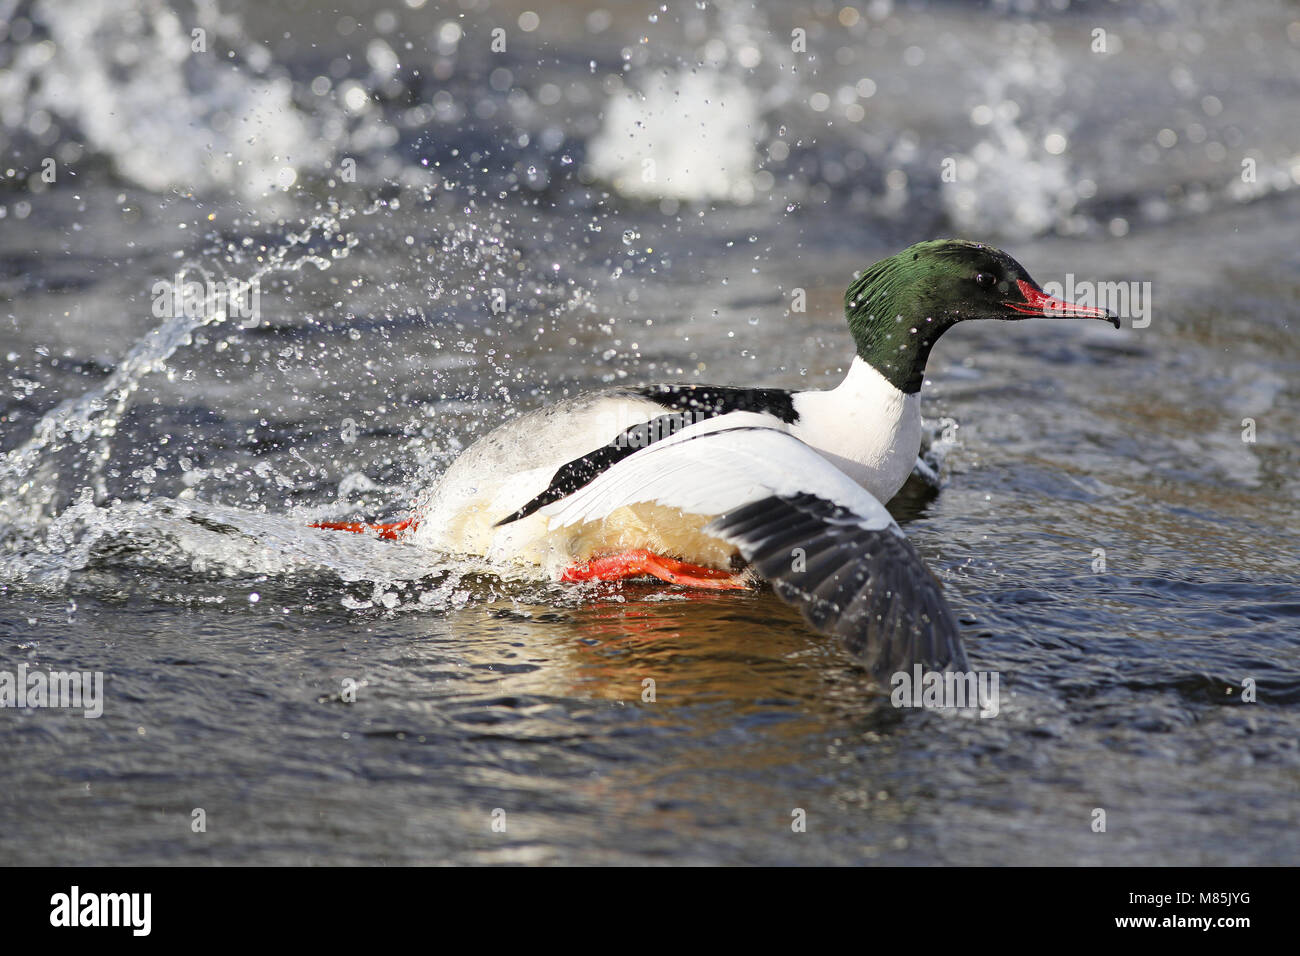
(868, 428)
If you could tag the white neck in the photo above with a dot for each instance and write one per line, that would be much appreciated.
(868, 428)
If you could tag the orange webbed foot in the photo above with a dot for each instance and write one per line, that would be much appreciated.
(389, 532)
(640, 563)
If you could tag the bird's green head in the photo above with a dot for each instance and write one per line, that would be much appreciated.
(900, 306)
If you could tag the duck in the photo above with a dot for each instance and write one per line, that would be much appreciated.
(721, 487)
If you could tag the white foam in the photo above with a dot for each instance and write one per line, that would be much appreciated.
(689, 135)
(1009, 183)
(126, 75)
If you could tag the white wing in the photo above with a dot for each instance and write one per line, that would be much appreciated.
(824, 542)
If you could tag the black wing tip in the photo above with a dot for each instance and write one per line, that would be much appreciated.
(868, 587)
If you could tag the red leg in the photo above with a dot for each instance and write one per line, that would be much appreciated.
(639, 563)
(389, 532)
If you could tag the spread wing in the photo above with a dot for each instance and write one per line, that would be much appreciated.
(828, 546)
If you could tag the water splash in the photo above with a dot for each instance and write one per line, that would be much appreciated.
(1015, 181)
(191, 551)
(153, 90)
(33, 477)
(696, 130)
(688, 135)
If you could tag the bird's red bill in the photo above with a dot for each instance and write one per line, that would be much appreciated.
(1038, 302)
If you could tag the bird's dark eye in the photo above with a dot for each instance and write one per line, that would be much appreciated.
(985, 280)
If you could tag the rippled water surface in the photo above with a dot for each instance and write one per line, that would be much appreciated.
(1114, 543)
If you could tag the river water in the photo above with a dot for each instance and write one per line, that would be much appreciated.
(644, 193)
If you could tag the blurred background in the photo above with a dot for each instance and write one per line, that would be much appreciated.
(454, 211)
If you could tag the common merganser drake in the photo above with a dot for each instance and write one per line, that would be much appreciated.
(708, 486)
